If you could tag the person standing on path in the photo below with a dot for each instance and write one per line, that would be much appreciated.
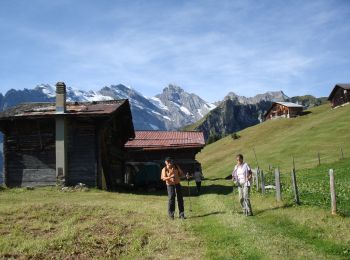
(198, 176)
(242, 176)
(171, 174)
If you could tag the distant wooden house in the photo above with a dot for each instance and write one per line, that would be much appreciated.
(66, 143)
(283, 110)
(340, 95)
(155, 146)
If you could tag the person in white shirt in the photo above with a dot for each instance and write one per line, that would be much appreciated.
(242, 176)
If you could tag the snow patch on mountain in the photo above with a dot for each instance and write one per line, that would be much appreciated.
(156, 101)
(154, 127)
(185, 110)
(46, 89)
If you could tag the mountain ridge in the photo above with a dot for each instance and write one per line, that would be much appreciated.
(235, 113)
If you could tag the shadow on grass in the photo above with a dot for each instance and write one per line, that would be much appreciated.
(304, 113)
(186, 190)
(284, 206)
(208, 214)
(214, 179)
(216, 189)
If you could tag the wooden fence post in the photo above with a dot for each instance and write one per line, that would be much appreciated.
(319, 158)
(332, 188)
(262, 182)
(278, 184)
(341, 153)
(295, 187)
(253, 178)
(257, 178)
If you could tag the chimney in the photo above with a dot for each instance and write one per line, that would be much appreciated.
(60, 97)
(61, 134)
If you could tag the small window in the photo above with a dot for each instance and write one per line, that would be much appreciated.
(345, 91)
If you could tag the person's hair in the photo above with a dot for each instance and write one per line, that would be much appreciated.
(240, 156)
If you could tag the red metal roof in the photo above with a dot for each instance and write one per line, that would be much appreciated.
(48, 109)
(166, 139)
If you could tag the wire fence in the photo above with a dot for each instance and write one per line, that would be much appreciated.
(322, 186)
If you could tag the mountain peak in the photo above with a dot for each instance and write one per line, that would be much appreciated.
(173, 88)
(268, 96)
(46, 89)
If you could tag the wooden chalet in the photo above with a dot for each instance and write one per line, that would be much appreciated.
(283, 110)
(66, 143)
(155, 146)
(340, 95)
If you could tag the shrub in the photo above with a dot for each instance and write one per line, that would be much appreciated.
(213, 138)
(235, 136)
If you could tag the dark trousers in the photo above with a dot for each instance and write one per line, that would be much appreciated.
(175, 191)
(198, 185)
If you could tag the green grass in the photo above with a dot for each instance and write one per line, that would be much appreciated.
(49, 223)
(46, 222)
(322, 131)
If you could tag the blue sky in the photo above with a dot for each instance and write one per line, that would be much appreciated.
(206, 47)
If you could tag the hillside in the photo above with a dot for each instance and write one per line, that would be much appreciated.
(323, 130)
(237, 112)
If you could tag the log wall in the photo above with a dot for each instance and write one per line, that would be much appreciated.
(81, 154)
(29, 153)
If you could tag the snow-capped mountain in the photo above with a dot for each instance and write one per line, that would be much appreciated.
(183, 108)
(172, 109)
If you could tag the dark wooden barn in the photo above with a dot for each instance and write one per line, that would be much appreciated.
(66, 143)
(283, 110)
(155, 146)
(340, 95)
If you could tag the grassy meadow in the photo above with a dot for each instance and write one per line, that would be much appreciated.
(275, 142)
(83, 224)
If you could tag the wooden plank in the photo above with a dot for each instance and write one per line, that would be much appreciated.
(37, 175)
(257, 173)
(278, 184)
(332, 190)
(319, 158)
(295, 187)
(82, 153)
(341, 153)
(262, 182)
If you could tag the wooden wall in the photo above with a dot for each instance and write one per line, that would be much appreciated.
(95, 148)
(112, 137)
(29, 153)
(81, 153)
(184, 157)
(279, 110)
(340, 97)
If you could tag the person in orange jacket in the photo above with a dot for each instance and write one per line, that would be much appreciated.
(171, 174)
